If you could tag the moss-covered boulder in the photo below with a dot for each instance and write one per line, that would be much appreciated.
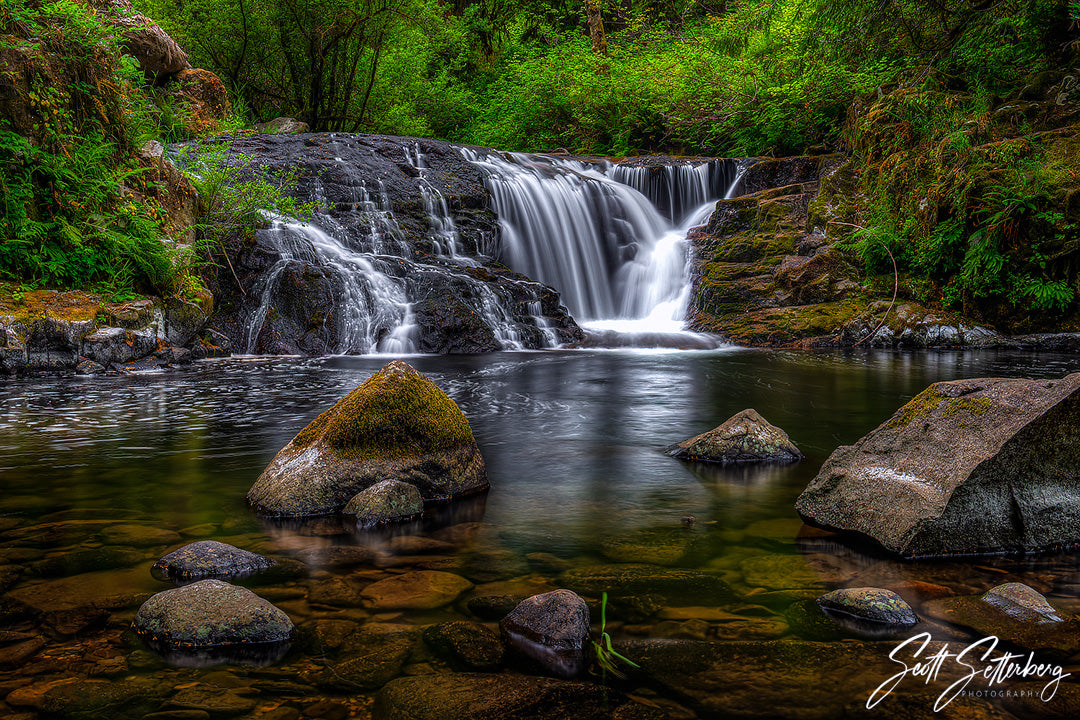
(210, 613)
(869, 611)
(974, 466)
(744, 437)
(397, 425)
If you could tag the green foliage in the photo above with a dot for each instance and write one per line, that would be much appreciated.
(606, 656)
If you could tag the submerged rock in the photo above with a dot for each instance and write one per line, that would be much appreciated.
(872, 612)
(466, 644)
(1014, 612)
(416, 590)
(208, 559)
(969, 466)
(385, 502)
(481, 696)
(396, 425)
(744, 437)
(210, 613)
(551, 629)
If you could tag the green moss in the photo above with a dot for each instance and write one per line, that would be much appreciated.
(972, 406)
(397, 412)
(922, 405)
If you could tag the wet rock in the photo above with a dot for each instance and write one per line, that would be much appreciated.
(73, 603)
(334, 591)
(111, 345)
(551, 629)
(869, 611)
(385, 502)
(969, 466)
(208, 559)
(336, 556)
(211, 700)
(183, 321)
(368, 658)
(547, 562)
(138, 535)
(16, 654)
(807, 620)
(417, 545)
(477, 696)
(9, 575)
(210, 613)
(744, 437)
(637, 579)
(396, 425)
(102, 698)
(492, 607)
(328, 634)
(417, 590)
(655, 546)
(89, 367)
(782, 572)
(1014, 612)
(485, 566)
(467, 645)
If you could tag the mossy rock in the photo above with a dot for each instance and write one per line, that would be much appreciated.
(397, 425)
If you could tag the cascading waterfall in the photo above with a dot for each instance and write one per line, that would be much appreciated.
(594, 232)
(610, 238)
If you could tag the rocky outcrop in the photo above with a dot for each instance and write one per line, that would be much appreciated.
(208, 559)
(66, 332)
(744, 437)
(382, 200)
(967, 467)
(396, 425)
(210, 614)
(551, 629)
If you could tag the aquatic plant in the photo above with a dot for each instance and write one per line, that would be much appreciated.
(606, 656)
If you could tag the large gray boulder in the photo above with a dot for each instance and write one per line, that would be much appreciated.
(744, 437)
(967, 467)
(397, 425)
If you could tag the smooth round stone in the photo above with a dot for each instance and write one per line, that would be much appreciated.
(209, 559)
(385, 502)
(869, 605)
(210, 613)
(1022, 602)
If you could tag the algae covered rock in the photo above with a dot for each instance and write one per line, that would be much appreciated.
(210, 613)
(744, 437)
(870, 612)
(397, 425)
(969, 466)
(385, 502)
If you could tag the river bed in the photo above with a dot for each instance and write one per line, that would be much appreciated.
(101, 476)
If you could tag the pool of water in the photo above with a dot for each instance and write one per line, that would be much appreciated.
(101, 476)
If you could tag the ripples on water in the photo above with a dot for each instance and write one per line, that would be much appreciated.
(573, 443)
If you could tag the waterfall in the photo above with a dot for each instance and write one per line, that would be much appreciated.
(610, 238)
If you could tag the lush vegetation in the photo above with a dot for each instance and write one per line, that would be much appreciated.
(952, 112)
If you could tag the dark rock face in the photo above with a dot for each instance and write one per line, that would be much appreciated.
(209, 559)
(396, 425)
(385, 502)
(744, 437)
(382, 197)
(874, 610)
(967, 467)
(551, 629)
(210, 613)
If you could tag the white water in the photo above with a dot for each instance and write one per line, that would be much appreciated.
(590, 231)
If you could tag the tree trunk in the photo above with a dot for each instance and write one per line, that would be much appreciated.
(596, 26)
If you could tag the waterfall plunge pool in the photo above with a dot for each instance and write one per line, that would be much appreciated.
(102, 476)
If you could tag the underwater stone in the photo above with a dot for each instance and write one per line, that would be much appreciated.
(210, 613)
(976, 466)
(396, 425)
(744, 437)
(385, 502)
(551, 629)
(208, 558)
